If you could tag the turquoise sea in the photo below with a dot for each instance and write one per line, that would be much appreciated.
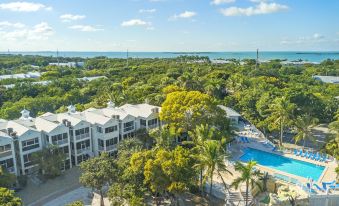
(264, 55)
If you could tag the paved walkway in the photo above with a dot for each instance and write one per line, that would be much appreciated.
(81, 193)
(36, 195)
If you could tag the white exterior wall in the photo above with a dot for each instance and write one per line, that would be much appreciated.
(103, 136)
(27, 136)
(9, 154)
(128, 118)
(59, 130)
(74, 151)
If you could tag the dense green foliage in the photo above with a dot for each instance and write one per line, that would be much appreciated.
(274, 97)
(248, 90)
(7, 198)
(50, 160)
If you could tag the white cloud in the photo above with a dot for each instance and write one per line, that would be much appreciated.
(184, 15)
(22, 6)
(71, 17)
(261, 8)
(85, 28)
(135, 22)
(21, 32)
(218, 2)
(7, 24)
(315, 38)
(147, 10)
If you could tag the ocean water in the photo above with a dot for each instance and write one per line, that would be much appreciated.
(264, 55)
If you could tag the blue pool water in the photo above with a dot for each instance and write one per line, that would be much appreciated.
(288, 165)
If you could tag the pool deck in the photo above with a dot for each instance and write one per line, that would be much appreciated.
(256, 143)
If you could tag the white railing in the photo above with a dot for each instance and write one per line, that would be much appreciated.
(126, 129)
(82, 136)
(79, 151)
(101, 148)
(60, 142)
(6, 153)
(111, 147)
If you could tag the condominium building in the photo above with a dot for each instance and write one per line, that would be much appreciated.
(79, 135)
(105, 131)
(26, 141)
(7, 153)
(56, 133)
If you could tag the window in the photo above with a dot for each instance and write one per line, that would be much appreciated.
(99, 129)
(47, 138)
(28, 160)
(111, 142)
(82, 133)
(152, 122)
(60, 138)
(5, 148)
(128, 126)
(143, 122)
(7, 163)
(82, 158)
(83, 144)
(64, 150)
(30, 144)
(111, 129)
(101, 142)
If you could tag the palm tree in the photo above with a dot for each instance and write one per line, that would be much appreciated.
(201, 134)
(334, 126)
(248, 175)
(304, 125)
(332, 147)
(281, 111)
(212, 158)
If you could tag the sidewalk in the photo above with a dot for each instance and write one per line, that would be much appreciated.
(34, 194)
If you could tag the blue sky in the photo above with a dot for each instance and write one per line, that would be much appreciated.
(169, 25)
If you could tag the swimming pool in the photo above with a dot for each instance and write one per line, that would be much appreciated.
(285, 164)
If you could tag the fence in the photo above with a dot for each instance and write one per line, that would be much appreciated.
(324, 200)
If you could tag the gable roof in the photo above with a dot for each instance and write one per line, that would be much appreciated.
(95, 117)
(139, 110)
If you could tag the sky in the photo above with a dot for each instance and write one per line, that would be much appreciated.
(169, 25)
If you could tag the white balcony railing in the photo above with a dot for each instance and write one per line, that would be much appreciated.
(126, 129)
(111, 147)
(87, 149)
(108, 148)
(60, 142)
(82, 136)
(6, 153)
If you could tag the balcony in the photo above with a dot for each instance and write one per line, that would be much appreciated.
(28, 164)
(60, 142)
(126, 129)
(5, 153)
(101, 148)
(108, 148)
(86, 149)
(111, 147)
(31, 147)
(152, 126)
(82, 136)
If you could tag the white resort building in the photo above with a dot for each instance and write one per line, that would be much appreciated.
(79, 135)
